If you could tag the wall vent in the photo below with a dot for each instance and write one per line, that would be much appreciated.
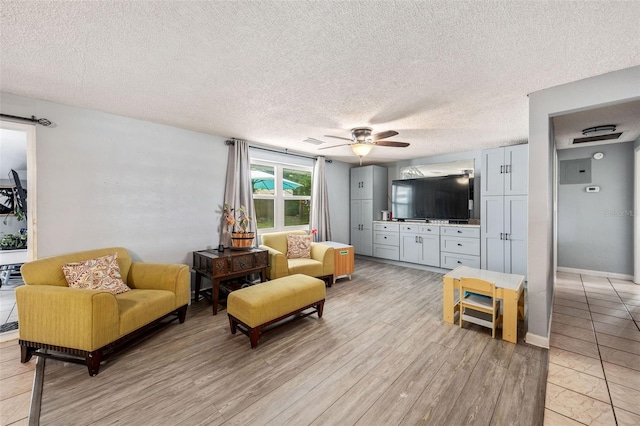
(597, 138)
(313, 141)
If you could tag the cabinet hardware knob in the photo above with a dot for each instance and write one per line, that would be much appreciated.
(421, 240)
(459, 261)
(501, 234)
(501, 169)
(459, 245)
(459, 232)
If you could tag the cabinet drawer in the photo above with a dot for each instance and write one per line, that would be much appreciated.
(460, 245)
(452, 261)
(388, 227)
(460, 231)
(410, 229)
(429, 229)
(386, 238)
(386, 252)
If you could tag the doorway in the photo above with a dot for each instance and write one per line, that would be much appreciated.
(17, 215)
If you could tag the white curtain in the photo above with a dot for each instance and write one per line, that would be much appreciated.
(320, 202)
(238, 190)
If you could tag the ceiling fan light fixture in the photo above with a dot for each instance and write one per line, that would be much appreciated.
(361, 149)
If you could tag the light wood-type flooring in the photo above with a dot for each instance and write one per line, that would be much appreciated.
(380, 355)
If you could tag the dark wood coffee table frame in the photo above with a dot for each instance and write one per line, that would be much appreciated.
(229, 264)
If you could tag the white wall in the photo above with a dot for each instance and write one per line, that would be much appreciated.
(615, 87)
(106, 180)
(595, 229)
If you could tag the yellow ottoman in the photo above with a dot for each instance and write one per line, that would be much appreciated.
(253, 308)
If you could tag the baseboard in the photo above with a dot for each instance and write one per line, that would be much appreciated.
(535, 340)
(595, 273)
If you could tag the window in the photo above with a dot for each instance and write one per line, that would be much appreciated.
(282, 195)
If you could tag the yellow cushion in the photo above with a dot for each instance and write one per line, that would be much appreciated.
(309, 267)
(261, 303)
(140, 307)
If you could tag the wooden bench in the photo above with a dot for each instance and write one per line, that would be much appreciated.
(253, 309)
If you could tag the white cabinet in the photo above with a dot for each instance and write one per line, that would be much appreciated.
(361, 226)
(420, 244)
(505, 171)
(504, 234)
(368, 199)
(386, 240)
(459, 246)
(503, 211)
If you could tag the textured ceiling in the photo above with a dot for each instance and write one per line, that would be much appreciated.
(448, 76)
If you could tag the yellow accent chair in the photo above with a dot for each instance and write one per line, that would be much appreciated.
(320, 265)
(92, 324)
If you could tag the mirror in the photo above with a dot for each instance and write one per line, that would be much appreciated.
(458, 167)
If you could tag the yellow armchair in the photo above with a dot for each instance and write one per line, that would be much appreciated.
(320, 265)
(92, 323)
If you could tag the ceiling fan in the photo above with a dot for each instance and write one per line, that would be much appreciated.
(363, 140)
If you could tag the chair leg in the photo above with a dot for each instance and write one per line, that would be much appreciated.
(26, 352)
(93, 362)
(232, 324)
(320, 308)
(254, 335)
(182, 314)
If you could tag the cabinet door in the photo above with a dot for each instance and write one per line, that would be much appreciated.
(366, 219)
(366, 177)
(356, 183)
(516, 180)
(356, 215)
(492, 179)
(515, 225)
(492, 233)
(410, 248)
(430, 249)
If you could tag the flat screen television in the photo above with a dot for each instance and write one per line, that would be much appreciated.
(435, 198)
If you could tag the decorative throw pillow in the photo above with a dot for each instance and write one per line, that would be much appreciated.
(299, 246)
(102, 273)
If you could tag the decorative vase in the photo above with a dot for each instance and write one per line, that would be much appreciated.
(242, 239)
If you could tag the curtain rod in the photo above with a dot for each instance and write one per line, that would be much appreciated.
(231, 142)
(33, 119)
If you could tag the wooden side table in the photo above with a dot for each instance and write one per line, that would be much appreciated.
(219, 266)
(343, 264)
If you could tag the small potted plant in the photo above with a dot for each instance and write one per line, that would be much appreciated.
(241, 237)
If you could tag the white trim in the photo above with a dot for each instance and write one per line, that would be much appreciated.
(636, 218)
(595, 273)
(535, 340)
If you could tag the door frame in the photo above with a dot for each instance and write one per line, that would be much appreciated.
(32, 232)
(636, 217)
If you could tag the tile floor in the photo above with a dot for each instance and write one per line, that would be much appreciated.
(594, 354)
(594, 358)
(16, 379)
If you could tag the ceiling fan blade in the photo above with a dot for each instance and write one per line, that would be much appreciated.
(338, 137)
(384, 135)
(394, 144)
(334, 146)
